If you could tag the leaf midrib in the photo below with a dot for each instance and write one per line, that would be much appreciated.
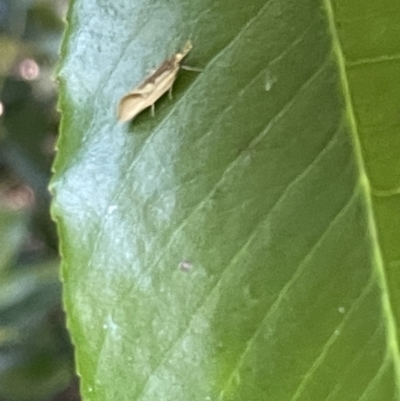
(392, 334)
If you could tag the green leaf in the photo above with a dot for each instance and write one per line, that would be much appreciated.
(243, 243)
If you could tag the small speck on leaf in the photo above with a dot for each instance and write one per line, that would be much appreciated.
(185, 266)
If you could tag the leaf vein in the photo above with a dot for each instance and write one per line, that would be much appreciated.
(241, 250)
(359, 355)
(285, 290)
(378, 375)
(232, 164)
(331, 340)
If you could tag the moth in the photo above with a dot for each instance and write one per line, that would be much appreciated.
(153, 87)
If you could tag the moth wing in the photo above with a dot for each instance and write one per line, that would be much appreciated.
(144, 89)
(130, 106)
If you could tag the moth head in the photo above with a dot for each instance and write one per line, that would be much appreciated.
(185, 50)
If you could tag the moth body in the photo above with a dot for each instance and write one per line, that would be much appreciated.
(152, 88)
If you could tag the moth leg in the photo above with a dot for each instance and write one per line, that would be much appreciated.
(189, 68)
(170, 93)
(153, 110)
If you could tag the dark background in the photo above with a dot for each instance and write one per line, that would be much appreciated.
(36, 357)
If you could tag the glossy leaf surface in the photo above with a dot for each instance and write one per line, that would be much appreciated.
(231, 247)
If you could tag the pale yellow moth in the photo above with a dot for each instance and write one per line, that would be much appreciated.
(153, 87)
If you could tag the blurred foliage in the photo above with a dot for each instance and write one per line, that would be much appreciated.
(36, 360)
